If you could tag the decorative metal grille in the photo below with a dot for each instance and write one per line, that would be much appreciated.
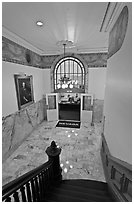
(69, 72)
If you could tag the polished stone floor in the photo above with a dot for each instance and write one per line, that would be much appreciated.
(80, 156)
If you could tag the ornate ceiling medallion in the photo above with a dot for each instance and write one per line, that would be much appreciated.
(67, 43)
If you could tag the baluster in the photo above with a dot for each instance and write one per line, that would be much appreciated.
(43, 184)
(126, 183)
(122, 182)
(44, 180)
(41, 187)
(51, 173)
(112, 172)
(37, 189)
(8, 199)
(16, 197)
(33, 190)
(28, 190)
(48, 176)
(22, 190)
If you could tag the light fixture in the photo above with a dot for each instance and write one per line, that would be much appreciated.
(58, 86)
(65, 82)
(71, 86)
(39, 23)
(65, 170)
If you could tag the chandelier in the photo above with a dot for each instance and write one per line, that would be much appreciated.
(66, 82)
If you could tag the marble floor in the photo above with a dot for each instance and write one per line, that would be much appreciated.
(80, 156)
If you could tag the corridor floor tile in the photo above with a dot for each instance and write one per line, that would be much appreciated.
(80, 155)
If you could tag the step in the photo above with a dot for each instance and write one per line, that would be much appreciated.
(76, 187)
(79, 195)
(53, 197)
(92, 184)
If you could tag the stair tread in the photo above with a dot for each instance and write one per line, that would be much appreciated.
(64, 199)
(81, 189)
(53, 196)
(60, 191)
(86, 183)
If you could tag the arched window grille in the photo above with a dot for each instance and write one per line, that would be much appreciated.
(69, 73)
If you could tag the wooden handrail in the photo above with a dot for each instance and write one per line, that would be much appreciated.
(32, 185)
(118, 174)
(14, 185)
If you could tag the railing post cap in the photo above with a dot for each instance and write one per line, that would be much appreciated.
(53, 150)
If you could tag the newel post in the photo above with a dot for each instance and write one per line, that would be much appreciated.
(53, 153)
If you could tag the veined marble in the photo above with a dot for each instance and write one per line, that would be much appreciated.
(17, 126)
(80, 155)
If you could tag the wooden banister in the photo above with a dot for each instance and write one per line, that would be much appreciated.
(118, 174)
(32, 185)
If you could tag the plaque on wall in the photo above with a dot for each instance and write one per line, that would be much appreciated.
(24, 90)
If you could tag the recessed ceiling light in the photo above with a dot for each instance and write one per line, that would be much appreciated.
(39, 23)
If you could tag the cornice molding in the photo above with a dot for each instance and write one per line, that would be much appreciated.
(112, 13)
(79, 51)
(15, 38)
(92, 50)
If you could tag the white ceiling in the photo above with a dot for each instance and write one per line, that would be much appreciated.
(79, 22)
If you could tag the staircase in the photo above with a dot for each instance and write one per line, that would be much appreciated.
(78, 191)
(45, 184)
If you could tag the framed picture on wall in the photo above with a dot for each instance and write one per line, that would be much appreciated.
(24, 90)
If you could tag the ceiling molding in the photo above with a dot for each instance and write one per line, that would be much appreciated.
(93, 50)
(15, 38)
(78, 51)
(112, 12)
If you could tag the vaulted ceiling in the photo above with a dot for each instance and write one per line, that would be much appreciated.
(79, 22)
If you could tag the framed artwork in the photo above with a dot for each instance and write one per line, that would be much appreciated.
(24, 90)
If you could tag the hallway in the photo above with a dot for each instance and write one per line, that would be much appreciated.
(80, 155)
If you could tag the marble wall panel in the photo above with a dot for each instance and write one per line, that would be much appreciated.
(41, 111)
(17, 127)
(98, 111)
(32, 113)
(7, 132)
(22, 127)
